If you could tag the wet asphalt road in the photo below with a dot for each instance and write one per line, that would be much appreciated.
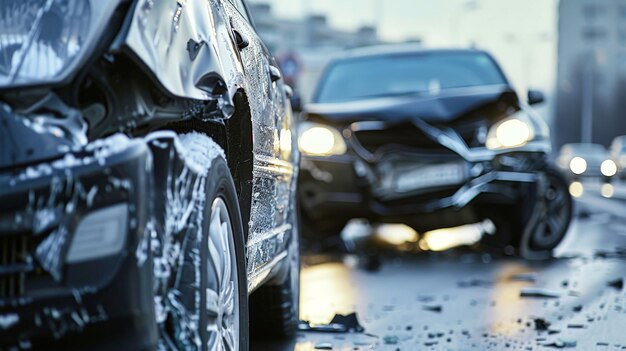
(469, 300)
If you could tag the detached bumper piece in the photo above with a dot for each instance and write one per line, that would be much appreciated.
(74, 234)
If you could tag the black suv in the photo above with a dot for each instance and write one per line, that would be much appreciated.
(433, 139)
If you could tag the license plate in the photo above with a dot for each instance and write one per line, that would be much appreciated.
(432, 176)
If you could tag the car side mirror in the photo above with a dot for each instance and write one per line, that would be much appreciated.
(536, 97)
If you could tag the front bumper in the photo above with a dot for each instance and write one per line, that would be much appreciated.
(100, 304)
(347, 186)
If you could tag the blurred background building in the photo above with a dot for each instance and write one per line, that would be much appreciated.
(591, 90)
(573, 50)
(303, 46)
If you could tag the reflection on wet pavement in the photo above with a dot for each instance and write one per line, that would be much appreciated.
(467, 300)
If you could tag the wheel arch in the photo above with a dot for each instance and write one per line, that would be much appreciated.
(235, 137)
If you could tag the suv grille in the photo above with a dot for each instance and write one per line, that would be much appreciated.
(13, 265)
(407, 136)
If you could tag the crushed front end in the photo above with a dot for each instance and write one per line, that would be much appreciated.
(393, 172)
(74, 225)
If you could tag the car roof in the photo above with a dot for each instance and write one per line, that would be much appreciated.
(399, 49)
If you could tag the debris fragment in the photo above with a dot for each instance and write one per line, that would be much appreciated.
(541, 324)
(525, 277)
(350, 321)
(324, 346)
(391, 339)
(433, 308)
(619, 252)
(617, 284)
(562, 344)
(539, 292)
(339, 324)
(474, 283)
(576, 326)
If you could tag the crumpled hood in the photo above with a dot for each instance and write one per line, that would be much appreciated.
(446, 107)
(21, 143)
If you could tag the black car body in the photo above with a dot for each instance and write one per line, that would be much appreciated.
(117, 120)
(402, 134)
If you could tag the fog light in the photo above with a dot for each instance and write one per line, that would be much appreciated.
(576, 189)
(608, 168)
(100, 234)
(578, 165)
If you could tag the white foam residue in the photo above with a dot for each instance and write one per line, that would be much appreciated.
(8, 320)
(200, 151)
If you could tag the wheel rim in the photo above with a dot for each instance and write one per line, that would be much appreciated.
(222, 293)
(554, 220)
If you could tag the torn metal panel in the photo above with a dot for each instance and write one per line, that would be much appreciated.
(176, 248)
(187, 46)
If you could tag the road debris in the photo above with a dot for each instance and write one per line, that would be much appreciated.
(541, 324)
(539, 292)
(562, 344)
(324, 346)
(474, 283)
(524, 277)
(391, 339)
(339, 324)
(433, 308)
(617, 284)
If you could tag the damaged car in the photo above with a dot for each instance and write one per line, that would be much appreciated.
(147, 178)
(433, 139)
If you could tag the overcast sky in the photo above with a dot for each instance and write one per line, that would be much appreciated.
(520, 33)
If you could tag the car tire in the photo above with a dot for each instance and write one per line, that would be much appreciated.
(553, 216)
(522, 228)
(274, 308)
(206, 298)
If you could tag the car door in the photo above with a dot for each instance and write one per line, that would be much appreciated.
(274, 150)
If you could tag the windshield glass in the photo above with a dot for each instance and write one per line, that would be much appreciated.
(585, 149)
(393, 75)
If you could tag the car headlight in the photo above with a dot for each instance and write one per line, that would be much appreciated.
(578, 165)
(608, 168)
(320, 140)
(42, 41)
(510, 133)
(100, 234)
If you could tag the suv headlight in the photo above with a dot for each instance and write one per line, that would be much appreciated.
(320, 140)
(516, 131)
(42, 41)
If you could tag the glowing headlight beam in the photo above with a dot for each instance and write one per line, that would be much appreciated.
(511, 133)
(319, 140)
(608, 168)
(578, 165)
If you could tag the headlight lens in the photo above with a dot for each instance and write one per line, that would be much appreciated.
(510, 133)
(100, 234)
(42, 41)
(320, 140)
(578, 165)
(608, 168)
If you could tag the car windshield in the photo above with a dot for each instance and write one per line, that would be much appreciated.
(407, 74)
(586, 149)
